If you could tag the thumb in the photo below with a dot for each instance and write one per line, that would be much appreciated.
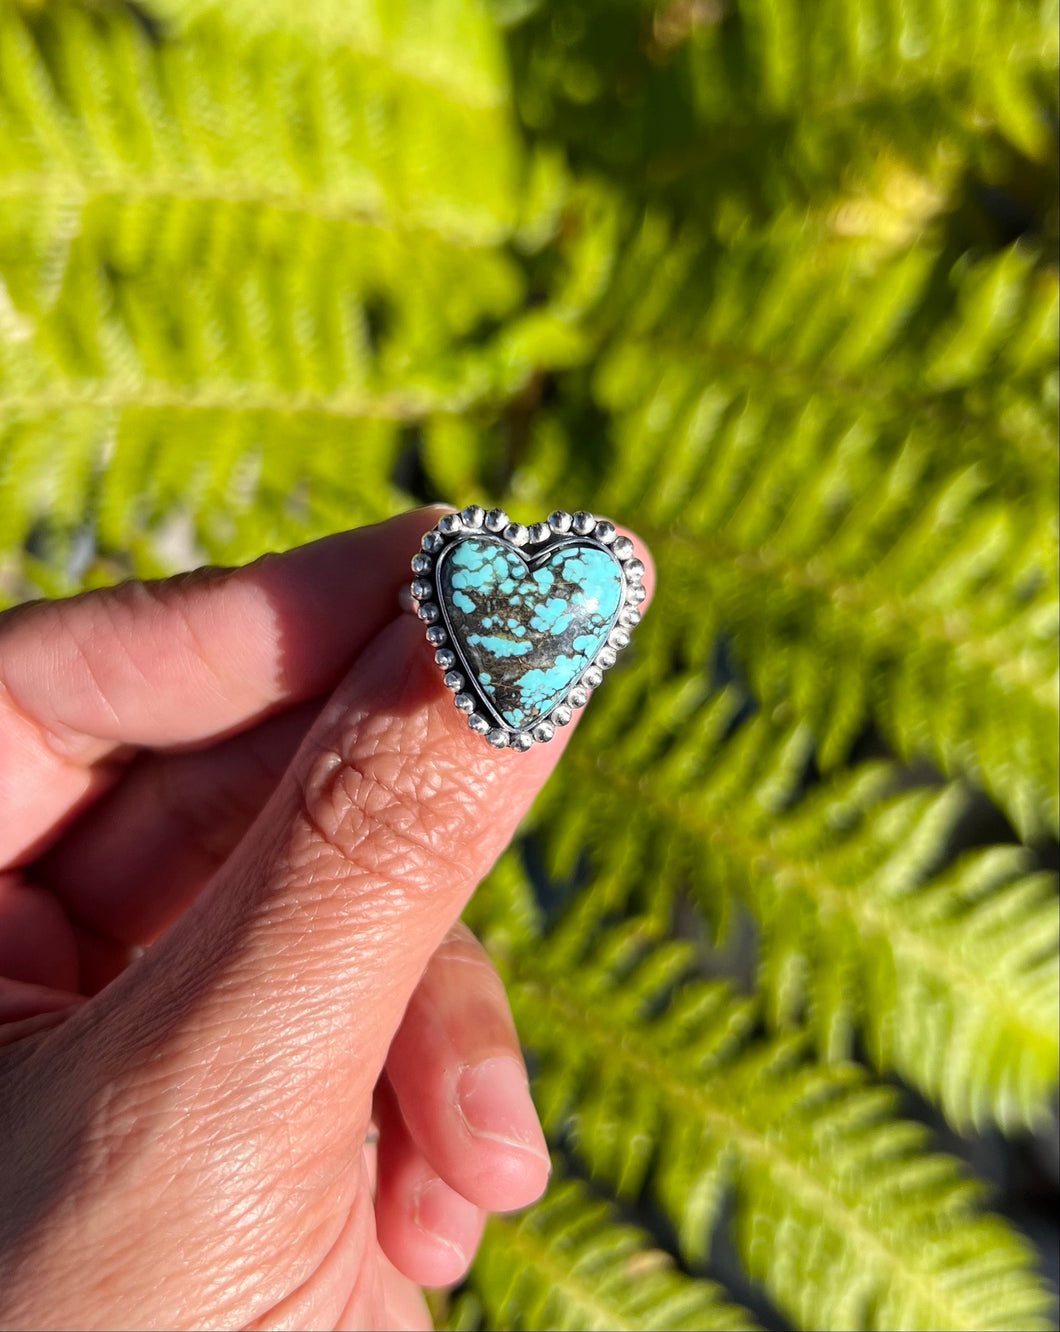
(309, 945)
(316, 933)
(242, 1050)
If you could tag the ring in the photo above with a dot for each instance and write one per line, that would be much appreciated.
(524, 621)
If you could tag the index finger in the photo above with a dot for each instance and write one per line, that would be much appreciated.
(87, 681)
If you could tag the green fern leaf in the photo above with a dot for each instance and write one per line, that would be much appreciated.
(569, 1263)
(840, 1212)
(748, 107)
(301, 342)
(776, 289)
(951, 974)
(849, 466)
(907, 515)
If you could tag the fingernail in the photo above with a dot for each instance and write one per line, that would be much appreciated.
(494, 1099)
(430, 1215)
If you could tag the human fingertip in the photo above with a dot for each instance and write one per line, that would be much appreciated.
(444, 1257)
(494, 1101)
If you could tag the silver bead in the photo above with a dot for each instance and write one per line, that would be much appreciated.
(593, 678)
(623, 547)
(634, 570)
(445, 658)
(465, 702)
(473, 515)
(606, 658)
(583, 522)
(421, 589)
(560, 522)
(498, 738)
(577, 698)
(432, 541)
(428, 612)
(629, 616)
(521, 741)
(450, 524)
(562, 715)
(543, 732)
(478, 724)
(539, 532)
(605, 532)
(454, 680)
(496, 520)
(618, 637)
(636, 594)
(421, 563)
(517, 534)
(436, 635)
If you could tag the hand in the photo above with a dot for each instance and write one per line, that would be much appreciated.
(185, 1128)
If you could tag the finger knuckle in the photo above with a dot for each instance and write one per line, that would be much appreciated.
(389, 797)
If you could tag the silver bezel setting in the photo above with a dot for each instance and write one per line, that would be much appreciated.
(530, 543)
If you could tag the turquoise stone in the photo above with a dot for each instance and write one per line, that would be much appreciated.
(528, 628)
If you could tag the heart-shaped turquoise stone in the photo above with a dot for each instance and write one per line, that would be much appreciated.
(528, 628)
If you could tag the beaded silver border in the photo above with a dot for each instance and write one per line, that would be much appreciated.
(559, 529)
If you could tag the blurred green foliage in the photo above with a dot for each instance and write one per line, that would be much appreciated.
(776, 285)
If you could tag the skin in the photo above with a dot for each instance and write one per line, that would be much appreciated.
(253, 1071)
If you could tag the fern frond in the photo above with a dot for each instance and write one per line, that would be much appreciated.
(444, 44)
(570, 1263)
(752, 106)
(98, 112)
(964, 354)
(840, 1211)
(728, 272)
(950, 974)
(915, 581)
(912, 582)
(190, 317)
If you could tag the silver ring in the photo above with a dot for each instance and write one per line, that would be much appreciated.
(524, 621)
